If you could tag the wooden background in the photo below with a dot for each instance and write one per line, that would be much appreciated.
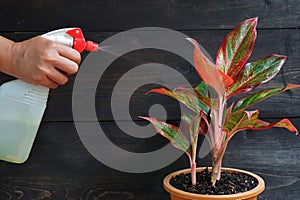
(60, 167)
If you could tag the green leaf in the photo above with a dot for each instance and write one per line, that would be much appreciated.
(208, 92)
(195, 128)
(194, 131)
(202, 88)
(186, 96)
(237, 48)
(234, 121)
(202, 99)
(205, 91)
(252, 99)
(208, 71)
(256, 73)
(172, 133)
(242, 120)
(186, 119)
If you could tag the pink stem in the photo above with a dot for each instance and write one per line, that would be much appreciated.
(217, 161)
(218, 148)
(193, 173)
(219, 170)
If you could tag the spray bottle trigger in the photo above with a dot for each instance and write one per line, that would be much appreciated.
(79, 41)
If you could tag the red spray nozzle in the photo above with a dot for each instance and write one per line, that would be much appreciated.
(79, 43)
(91, 46)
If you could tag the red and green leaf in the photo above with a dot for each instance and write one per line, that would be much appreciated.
(238, 121)
(208, 72)
(255, 74)
(252, 99)
(242, 120)
(207, 95)
(202, 88)
(195, 127)
(172, 133)
(202, 98)
(194, 101)
(194, 131)
(284, 123)
(237, 48)
(187, 118)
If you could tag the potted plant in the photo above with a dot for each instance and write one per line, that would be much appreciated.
(218, 120)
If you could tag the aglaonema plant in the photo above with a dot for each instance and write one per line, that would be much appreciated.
(230, 75)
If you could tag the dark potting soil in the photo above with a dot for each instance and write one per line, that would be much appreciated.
(229, 183)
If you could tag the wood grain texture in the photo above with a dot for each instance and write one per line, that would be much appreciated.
(118, 15)
(61, 168)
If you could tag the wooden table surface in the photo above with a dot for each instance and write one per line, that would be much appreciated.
(60, 167)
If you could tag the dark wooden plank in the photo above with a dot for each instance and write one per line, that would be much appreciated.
(122, 15)
(60, 167)
(284, 42)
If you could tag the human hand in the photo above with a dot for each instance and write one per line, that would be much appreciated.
(43, 62)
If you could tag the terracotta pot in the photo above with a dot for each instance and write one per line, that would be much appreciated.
(177, 194)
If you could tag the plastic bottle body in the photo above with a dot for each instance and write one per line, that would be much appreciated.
(19, 124)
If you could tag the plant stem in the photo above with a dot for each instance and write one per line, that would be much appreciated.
(193, 172)
(216, 167)
(217, 156)
(217, 144)
(193, 161)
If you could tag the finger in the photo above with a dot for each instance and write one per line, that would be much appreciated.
(42, 79)
(49, 83)
(52, 85)
(69, 53)
(65, 65)
(57, 77)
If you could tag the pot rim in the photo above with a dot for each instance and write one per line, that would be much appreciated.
(251, 193)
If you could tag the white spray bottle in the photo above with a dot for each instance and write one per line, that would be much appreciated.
(22, 105)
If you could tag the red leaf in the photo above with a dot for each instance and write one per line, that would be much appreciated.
(237, 48)
(208, 71)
